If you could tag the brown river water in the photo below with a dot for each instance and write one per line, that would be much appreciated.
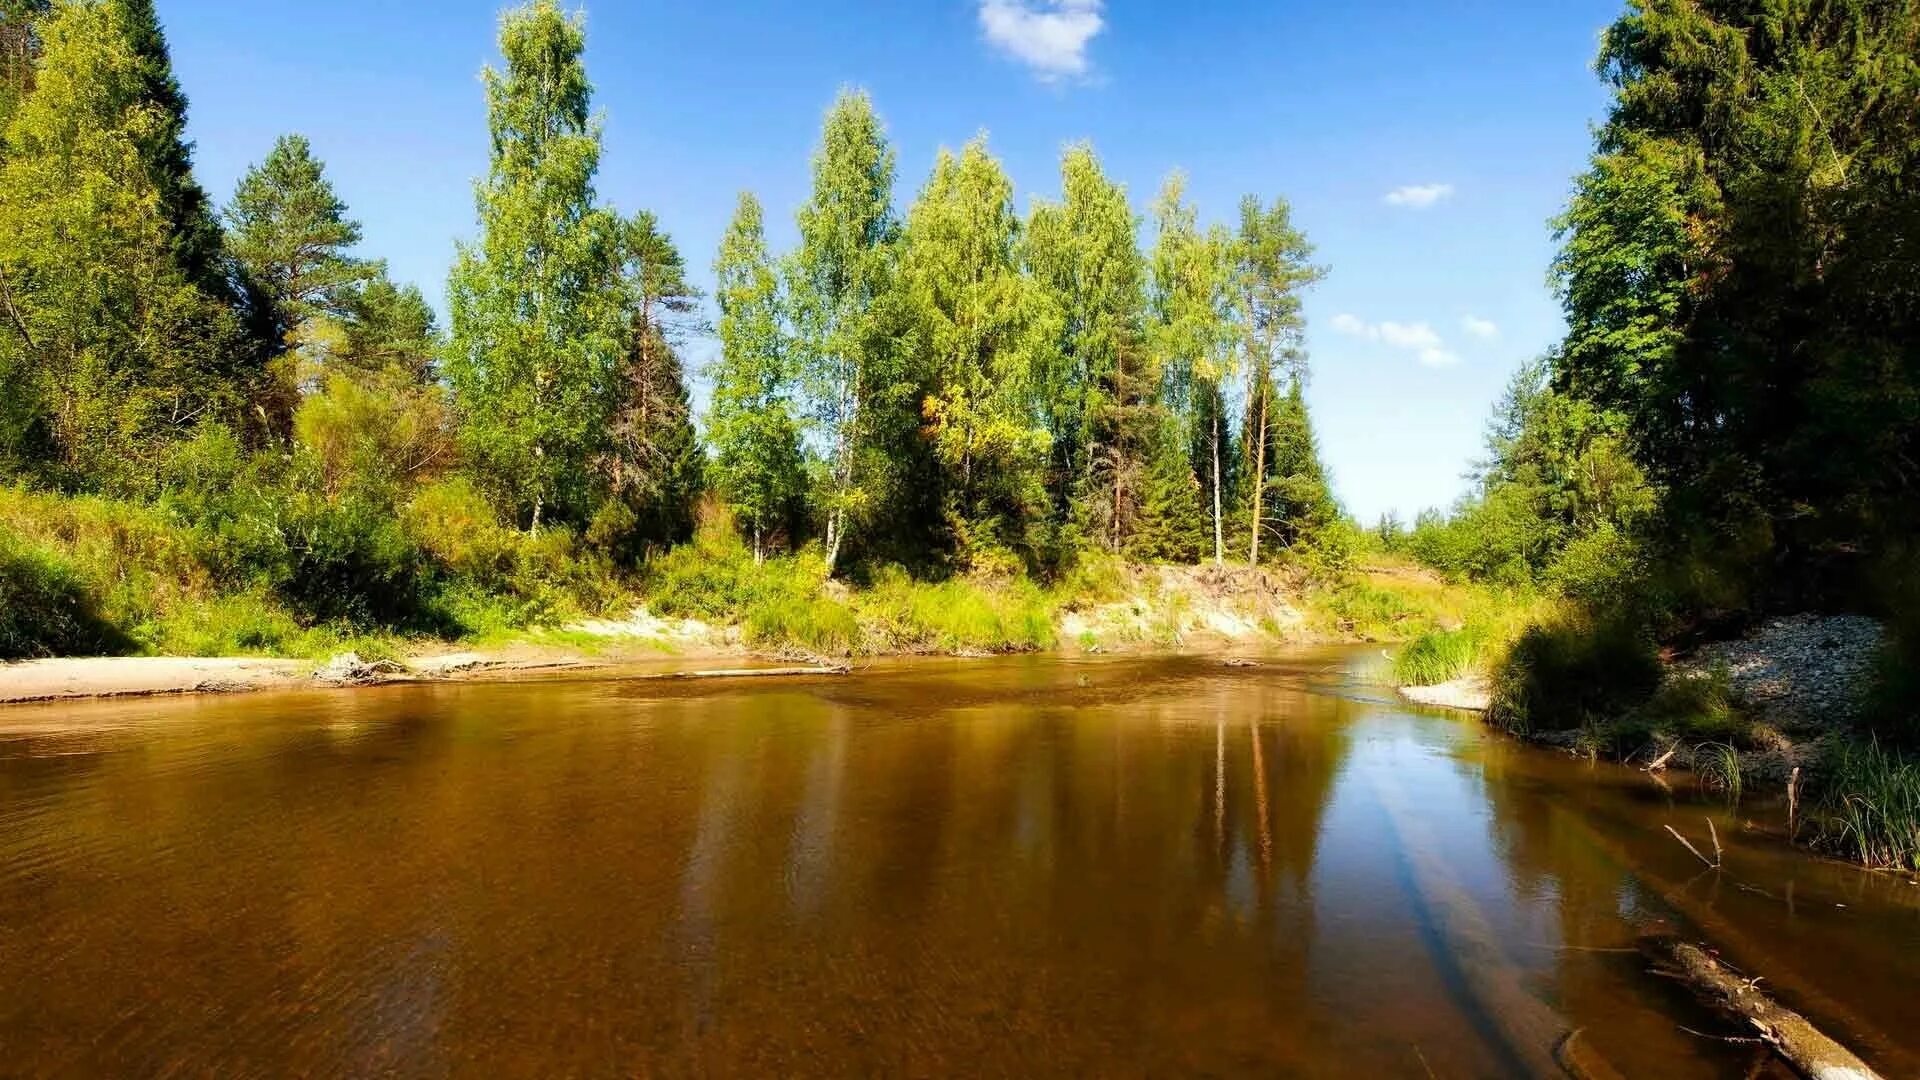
(1002, 867)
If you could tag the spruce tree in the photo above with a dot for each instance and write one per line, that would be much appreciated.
(169, 156)
(536, 302)
(751, 424)
(109, 350)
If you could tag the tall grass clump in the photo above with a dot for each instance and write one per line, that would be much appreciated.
(958, 615)
(1571, 670)
(1438, 656)
(1869, 805)
(46, 607)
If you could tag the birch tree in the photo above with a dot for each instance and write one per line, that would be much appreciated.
(836, 280)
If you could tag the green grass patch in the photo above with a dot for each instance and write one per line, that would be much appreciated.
(1869, 805)
(1438, 656)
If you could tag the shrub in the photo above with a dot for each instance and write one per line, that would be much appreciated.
(1570, 671)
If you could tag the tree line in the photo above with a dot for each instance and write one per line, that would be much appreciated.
(1729, 427)
(955, 387)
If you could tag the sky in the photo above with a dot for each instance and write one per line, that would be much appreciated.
(1425, 146)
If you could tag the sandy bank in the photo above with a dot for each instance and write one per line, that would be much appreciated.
(119, 676)
(1471, 693)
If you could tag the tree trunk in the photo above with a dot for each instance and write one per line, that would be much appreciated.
(1259, 477)
(1219, 533)
(1805, 1047)
(759, 553)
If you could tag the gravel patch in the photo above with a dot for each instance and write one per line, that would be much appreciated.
(1800, 672)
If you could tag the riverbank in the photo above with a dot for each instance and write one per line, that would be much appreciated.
(1113, 608)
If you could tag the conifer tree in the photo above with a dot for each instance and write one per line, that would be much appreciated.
(108, 349)
(290, 233)
(536, 302)
(751, 424)
(653, 466)
(1273, 266)
(168, 154)
(19, 49)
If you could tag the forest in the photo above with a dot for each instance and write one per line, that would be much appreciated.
(953, 390)
(223, 431)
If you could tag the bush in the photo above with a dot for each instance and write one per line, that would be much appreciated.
(46, 608)
(1571, 671)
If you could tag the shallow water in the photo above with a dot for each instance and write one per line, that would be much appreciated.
(1017, 866)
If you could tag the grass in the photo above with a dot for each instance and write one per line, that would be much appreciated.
(1438, 656)
(1869, 808)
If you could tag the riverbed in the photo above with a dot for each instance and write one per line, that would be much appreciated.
(928, 867)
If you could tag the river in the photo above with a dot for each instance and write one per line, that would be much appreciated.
(1014, 866)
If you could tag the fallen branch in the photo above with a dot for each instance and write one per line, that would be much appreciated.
(1696, 851)
(1798, 1042)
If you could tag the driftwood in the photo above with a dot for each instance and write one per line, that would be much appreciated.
(757, 672)
(1802, 1045)
(1684, 908)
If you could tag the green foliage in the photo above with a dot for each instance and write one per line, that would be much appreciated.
(1438, 656)
(838, 283)
(984, 330)
(113, 349)
(536, 302)
(1869, 805)
(654, 467)
(1567, 672)
(751, 425)
(290, 234)
(1099, 387)
(957, 615)
(45, 607)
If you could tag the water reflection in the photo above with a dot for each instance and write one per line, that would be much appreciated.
(1020, 866)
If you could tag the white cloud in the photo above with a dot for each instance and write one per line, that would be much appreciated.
(1418, 196)
(1484, 329)
(1049, 36)
(1417, 338)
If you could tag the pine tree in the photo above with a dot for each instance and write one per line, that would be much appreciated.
(108, 349)
(1172, 523)
(290, 233)
(838, 281)
(984, 329)
(654, 466)
(1273, 266)
(536, 302)
(751, 425)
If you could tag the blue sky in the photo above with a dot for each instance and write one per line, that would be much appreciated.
(1424, 144)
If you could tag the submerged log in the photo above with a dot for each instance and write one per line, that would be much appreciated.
(1798, 1042)
(1537, 1037)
